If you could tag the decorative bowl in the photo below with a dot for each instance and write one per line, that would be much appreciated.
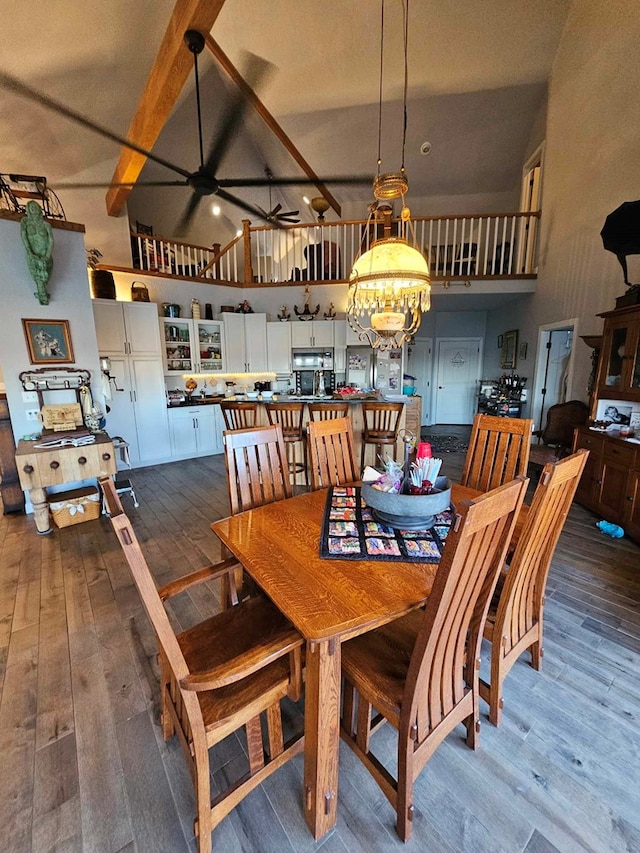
(267, 395)
(408, 512)
(252, 395)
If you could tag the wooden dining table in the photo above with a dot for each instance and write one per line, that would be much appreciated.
(328, 601)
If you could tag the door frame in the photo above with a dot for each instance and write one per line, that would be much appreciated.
(427, 397)
(436, 368)
(535, 407)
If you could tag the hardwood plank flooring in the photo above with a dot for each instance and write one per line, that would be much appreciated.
(85, 767)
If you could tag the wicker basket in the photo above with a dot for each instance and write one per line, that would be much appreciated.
(74, 507)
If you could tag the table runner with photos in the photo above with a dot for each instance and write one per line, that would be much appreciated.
(350, 532)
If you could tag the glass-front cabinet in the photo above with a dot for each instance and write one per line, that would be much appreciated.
(619, 372)
(192, 346)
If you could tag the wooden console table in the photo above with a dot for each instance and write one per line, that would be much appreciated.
(42, 467)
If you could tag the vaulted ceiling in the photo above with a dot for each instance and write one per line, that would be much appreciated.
(477, 86)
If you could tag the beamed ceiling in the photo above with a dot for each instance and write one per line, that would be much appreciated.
(477, 91)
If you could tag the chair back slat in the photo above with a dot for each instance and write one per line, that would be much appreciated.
(256, 463)
(443, 664)
(289, 416)
(522, 595)
(498, 451)
(239, 415)
(331, 453)
(381, 421)
(326, 411)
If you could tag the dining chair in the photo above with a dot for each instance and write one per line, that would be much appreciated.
(324, 411)
(514, 623)
(239, 415)
(420, 672)
(381, 424)
(498, 451)
(256, 464)
(216, 677)
(331, 453)
(289, 416)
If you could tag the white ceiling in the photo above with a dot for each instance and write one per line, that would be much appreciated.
(477, 83)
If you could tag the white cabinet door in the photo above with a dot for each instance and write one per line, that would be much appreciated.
(150, 409)
(255, 341)
(322, 332)
(109, 321)
(127, 328)
(219, 427)
(339, 346)
(209, 342)
(206, 437)
(301, 335)
(120, 417)
(279, 347)
(235, 360)
(183, 432)
(353, 339)
(141, 327)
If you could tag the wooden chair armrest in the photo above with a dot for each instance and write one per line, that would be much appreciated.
(206, 574)
(245, 664)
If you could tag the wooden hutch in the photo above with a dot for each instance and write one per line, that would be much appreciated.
(610, 484)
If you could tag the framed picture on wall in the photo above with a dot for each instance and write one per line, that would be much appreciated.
(48, 341)
(509, 351)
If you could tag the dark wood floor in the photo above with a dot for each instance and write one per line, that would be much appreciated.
(84, 766)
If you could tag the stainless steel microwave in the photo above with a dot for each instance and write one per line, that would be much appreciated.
(312, 358)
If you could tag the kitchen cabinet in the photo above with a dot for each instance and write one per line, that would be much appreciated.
(619, 366)
(126, 328)
(279, 347)
(138, 408)
(192, 346)
(312, 333)
(610, 482)
(196, 431)
(245, 343)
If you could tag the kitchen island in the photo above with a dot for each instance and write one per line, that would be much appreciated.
(184, 447)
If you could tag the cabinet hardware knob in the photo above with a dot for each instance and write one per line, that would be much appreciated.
(28, 469)
(106, 456)
(54, 464)
(630, 498)
(82, 460)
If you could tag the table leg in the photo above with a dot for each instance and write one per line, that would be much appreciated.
(322, 736)
(38, 498)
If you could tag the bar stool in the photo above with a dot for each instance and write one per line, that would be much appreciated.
(239, 415)
(123, 484)
(289, 416)
(327, 411)
(381, 423)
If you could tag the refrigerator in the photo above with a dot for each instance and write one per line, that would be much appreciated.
(367, 368)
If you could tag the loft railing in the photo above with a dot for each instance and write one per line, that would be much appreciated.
(457, 248)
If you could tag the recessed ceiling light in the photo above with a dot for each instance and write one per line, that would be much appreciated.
(425, 148)
(215, 210)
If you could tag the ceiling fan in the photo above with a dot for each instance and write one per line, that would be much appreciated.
(273, 215)
(203, 181)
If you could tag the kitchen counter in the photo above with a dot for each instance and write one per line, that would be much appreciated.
(279, 398)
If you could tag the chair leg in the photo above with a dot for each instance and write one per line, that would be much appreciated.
(348, 702)
(168, 729)
(404, 807)
(498, 674)
(362, 452)
(254, 745)
(536, 649)
(363, 731)
(203, 825)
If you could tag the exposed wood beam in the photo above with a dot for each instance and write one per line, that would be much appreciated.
(270, 121)
(170, 70)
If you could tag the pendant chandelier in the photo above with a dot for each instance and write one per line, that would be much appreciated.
(389, 285)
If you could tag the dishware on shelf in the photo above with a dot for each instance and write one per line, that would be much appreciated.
(170, 309)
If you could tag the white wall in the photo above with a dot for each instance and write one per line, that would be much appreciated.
(591, 166)
(70, 300)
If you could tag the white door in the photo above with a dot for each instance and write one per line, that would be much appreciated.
(109, 322)
(183, 433)
(235, 361)
(150, 408)
(420, 365)
(255, 341)
(120, 417)
(206, 430)
(457, 375)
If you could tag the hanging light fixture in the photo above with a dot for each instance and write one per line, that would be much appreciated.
(390, 283)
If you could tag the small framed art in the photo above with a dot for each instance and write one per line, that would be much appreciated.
(48, 341)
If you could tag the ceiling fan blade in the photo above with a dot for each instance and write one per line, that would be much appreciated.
(188, 214)
(106, 185)
(275, 210)
(288, 219)
(301, 181)
(288, 213)
(255, 72)
(244, 205)
(23, 90)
